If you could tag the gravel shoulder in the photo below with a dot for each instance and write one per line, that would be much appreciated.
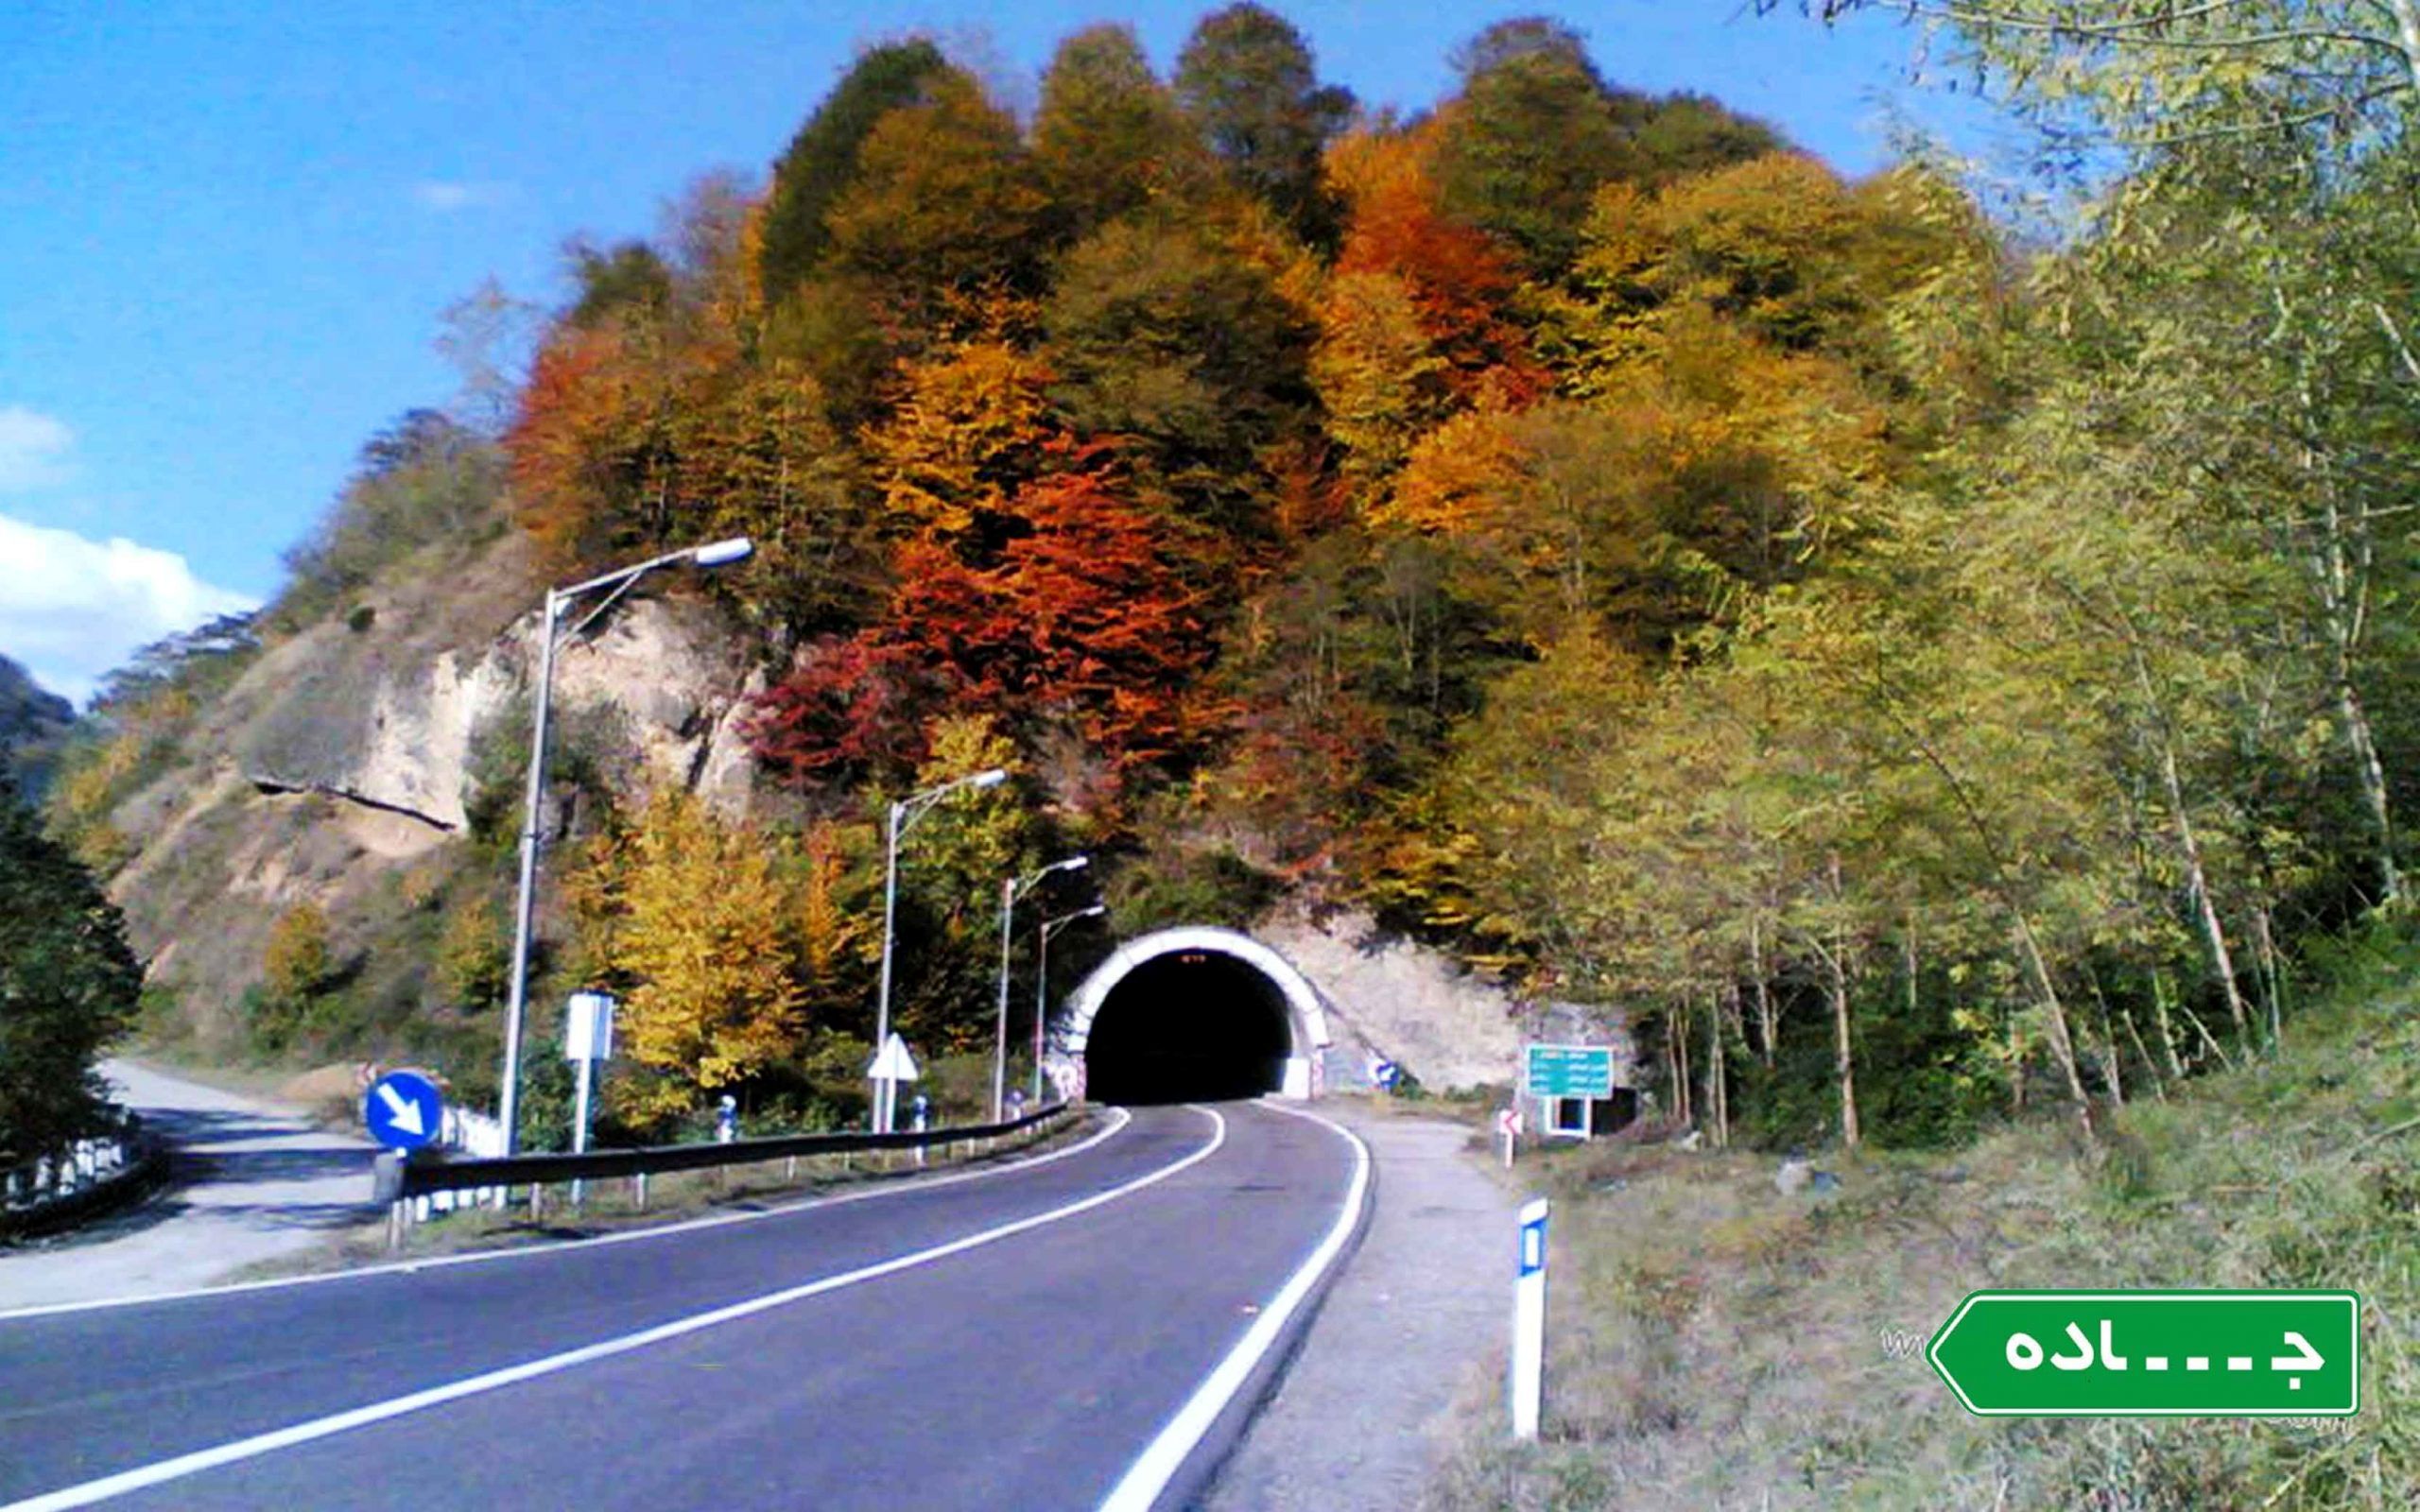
(1361, 1418)
(250, 1180)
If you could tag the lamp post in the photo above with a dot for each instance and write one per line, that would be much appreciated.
(1009, 890)
(717, 554)
(904, 814)
(1041, 980)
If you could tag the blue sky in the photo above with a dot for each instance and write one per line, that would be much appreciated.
(229, 231)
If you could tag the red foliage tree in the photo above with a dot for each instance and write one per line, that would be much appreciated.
(1460, 281)
(1085, 619)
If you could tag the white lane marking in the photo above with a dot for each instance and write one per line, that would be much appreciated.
(555, 1246)
(242, 1448)
(1152, 1471)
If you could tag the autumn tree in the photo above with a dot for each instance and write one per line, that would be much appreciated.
(695, 926)
(1165, 335)
(1247, 79)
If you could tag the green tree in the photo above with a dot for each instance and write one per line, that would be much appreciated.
(68, 986)
(1532, 134)
(1109, 138)
(1247, 79)
(822, 161)
(944, 202)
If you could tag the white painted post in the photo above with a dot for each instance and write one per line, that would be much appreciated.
(579, 1124)
(1530, 1320)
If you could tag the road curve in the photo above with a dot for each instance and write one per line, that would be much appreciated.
(1012, 1340)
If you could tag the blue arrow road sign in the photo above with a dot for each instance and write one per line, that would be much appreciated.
(404, 1110)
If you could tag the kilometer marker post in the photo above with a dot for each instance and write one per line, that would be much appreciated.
(1530, 1320)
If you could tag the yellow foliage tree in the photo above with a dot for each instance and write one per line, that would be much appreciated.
(702, 931)
(968, 430)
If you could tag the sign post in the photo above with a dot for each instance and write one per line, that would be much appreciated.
(1530, 1320)
(2141, 1354)
(1508, 1125)
(892, 1065)
(588, 1037)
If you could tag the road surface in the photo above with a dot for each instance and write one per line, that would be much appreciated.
(1012, 1339)
(249, 1182)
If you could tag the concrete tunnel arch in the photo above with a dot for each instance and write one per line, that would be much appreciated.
(1127, 992)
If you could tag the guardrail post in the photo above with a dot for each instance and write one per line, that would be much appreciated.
(640, 1182)
(537, 1201)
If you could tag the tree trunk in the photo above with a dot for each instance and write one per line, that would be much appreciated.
(2343, 605)
(1908, 942)
(1767, 1022)
(2108, 1045)
(2166, 1029)
(1844, 1052)
(2149, 1068)
(2264, 946)
(1718, 1100)
(1681, 1049)
(2062, 1044)
(2197, 880)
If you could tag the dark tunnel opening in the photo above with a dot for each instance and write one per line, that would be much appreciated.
(1192, 1026)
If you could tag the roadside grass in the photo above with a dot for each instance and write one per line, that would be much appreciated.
(1714, 1343)
(611, 1206)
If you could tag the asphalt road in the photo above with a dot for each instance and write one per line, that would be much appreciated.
(820, 1358)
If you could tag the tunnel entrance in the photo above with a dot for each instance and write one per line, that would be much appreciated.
(1190, 1014)
(1195, 1026)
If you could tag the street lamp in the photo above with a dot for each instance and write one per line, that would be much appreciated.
(1009, 890)
(1041, 980)
(719, 553)
(904, 814)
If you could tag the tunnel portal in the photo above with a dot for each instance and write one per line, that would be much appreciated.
(1192, 1015)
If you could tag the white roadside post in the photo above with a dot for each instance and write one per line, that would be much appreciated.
(588, 1037)
(1530, 1320)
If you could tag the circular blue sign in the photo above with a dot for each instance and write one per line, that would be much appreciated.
(403, 1111)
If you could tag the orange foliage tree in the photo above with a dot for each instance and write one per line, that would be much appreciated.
(1083, 620)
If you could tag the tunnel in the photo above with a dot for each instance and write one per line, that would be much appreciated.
(1191, 1015)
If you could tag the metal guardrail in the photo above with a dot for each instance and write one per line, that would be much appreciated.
(427, 1171)
(82, 1178)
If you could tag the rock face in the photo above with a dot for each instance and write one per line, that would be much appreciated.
(1411, 1005)
(339, 768)
(407, 738)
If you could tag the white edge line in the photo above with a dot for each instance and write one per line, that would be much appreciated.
(554, 1247)
(1157, 1464)
(183, 1465)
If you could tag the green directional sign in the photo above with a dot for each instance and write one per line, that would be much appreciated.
(1570, 1070)
(2153, 1353)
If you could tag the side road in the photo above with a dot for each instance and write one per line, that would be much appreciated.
(1357, 1423)
(249, 1181)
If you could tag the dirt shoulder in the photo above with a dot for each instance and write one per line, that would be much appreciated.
(251, 1180)
(1360, 1421)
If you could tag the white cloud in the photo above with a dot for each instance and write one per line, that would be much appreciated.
(446, 196)
(33, 449)
(72, 609)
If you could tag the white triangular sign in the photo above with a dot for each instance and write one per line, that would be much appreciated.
(894, 1063)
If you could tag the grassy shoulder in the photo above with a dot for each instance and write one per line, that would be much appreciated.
(1714, 1342)
(611, 1206)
